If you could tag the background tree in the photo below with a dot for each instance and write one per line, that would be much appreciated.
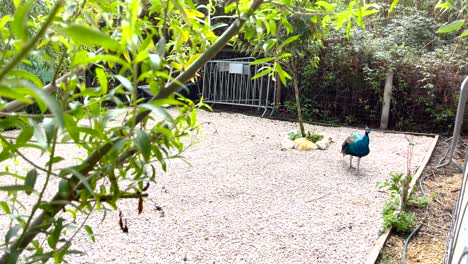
(295, 37)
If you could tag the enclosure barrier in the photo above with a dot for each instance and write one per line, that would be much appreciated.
(457, 129)
(457, 245)
(230, 82)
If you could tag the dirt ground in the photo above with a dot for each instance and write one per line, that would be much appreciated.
(429, 244)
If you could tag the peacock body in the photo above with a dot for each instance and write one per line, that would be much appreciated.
(356, 145)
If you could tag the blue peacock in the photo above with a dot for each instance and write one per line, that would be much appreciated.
(356, 145)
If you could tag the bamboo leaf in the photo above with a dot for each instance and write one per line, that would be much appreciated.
(19, 24)
(464, 34)
(453, 26)
(287, 41)
(89, 230)
(5, 207)
(14, 94)
(27, 75)
(102, 78)
(88, 36)
(266, 71)
(328, 7)
(348, 29)
(392, 6)
(260, 61)
(269, 44)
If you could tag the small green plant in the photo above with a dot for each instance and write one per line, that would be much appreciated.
(394, 214)
(403, 222)
(310, 136)
(420, 202)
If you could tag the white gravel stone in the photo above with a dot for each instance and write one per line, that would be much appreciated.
(244, 200)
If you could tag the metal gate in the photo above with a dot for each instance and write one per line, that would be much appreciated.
(230, 82)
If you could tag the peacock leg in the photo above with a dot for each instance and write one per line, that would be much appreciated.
(358, 160)
(350, 161)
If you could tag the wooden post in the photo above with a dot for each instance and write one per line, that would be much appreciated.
(386, 100)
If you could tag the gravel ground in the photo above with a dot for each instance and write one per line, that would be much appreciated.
(244, 200)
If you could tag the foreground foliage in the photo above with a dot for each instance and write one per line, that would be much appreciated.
(121, 45)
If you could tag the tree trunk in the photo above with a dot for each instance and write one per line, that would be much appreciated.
(298, 100)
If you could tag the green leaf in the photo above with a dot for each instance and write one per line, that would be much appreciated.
(392, 6)
(125, 82)
(193, 118)
(343, 17)
(64, 188)
(348, 29)
(82, 180)
(49, 128)
(464, 33)
(14, 94)
(155, 60)
(5, 207)
(30, 181)
(71, 127)
(52, 105)
(269, 44)
(12, 188)
(143, 144)
(54, 237)
(88, 36)
(102, 78)
(453, 26)
(264, 60)
(267, 70)
(287, 25)
(328, 7)
(282, 74)
(25, 135)
(446, 5)
(89, 230)
(182, 10)
(58, 256)
(359, 16)
(38, 134)
(27, 75)
(19, 24)
(157, 109)
(287, 41)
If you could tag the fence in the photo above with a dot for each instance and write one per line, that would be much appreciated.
(230, 82)
(457, 246)
(348, 98)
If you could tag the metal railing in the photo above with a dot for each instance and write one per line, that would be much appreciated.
(457, 244)
(230, 82)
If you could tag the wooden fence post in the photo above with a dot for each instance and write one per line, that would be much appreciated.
(387, 97)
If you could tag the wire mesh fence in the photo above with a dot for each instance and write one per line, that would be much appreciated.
(422, 107)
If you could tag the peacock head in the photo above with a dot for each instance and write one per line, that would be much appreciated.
(368, 130)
